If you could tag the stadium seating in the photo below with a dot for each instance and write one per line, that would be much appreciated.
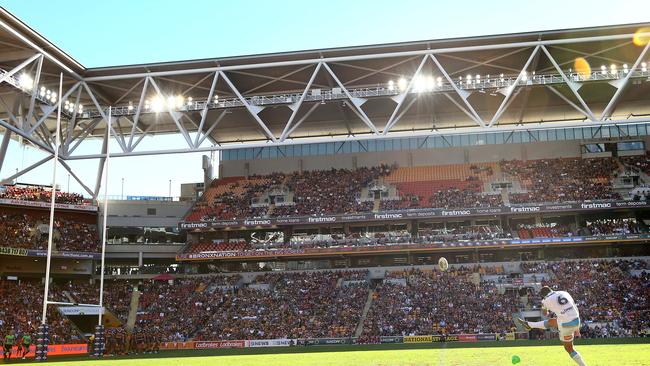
(337, 191)
(612, 301)
(36, 193)
(562, 180)
(21, 307)
(429, 302)
(296, 305)
(28, 228)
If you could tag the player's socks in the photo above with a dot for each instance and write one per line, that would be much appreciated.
(539, 325)
(577, 358)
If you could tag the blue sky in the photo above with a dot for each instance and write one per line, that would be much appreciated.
(116, 32)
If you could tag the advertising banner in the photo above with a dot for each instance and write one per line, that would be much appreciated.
(271, 343)
(79, 310)
(486, 337)
(510, 336)
(391, 339)
(176, 345)
(445, 338)
(411, 214)
(219, 344)
(14, 251)
(467, 338)
(55, 350)
(39, 204)
(418, 339)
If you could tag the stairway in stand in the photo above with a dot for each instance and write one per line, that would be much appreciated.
(364, 314)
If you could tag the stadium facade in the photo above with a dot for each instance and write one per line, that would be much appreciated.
(498, 151)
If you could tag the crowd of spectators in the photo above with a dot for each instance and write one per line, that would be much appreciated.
(465, 198)
(327, 192)
(29, 230)
(21, 307)
(41, 194)
(562, 180)
(293, 305)
(612, 300)
(431, 302)
(180, 308)
(623, 226)
(315, 193)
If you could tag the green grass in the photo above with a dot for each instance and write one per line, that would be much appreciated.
(399, 355)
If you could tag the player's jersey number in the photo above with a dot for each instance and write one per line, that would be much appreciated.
(562, 300)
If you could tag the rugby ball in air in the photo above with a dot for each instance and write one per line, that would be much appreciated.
(443, 264)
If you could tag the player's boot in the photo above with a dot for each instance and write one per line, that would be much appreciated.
(523, 323)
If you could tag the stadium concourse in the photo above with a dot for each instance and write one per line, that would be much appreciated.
(337, 181)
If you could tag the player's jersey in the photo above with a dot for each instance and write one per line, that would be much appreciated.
(27, 339)
(562, 305)
(10, 340)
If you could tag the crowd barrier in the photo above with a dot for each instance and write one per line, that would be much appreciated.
(55, 350)
(436, 338)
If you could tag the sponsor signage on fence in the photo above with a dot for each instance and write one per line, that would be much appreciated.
(467, 338)
(271, 343)
(14, 251)
(412, 214)
(39, 204)
(418, 339)
(42, 253)
(55, 350)
(398, 247)
(219, 344)
(177, 345)
(391, 340)
(445, 338)
(486, 337)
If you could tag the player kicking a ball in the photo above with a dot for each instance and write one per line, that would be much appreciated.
(567, 320)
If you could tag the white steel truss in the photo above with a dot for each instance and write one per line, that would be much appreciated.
(129, 126)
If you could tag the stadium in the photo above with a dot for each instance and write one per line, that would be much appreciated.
(390, 204)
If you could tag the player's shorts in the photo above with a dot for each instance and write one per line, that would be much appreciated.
(568, 329)
(8, 347)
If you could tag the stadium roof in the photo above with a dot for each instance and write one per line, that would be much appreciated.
(459, 85)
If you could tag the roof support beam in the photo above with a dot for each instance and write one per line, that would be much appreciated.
(204, 111)
(138, 110)
(49, 109)
(512, 88)
(32, 99)
(400, 97)
(101, 111)
(356, 102)
(279, 78)
(386, 55)
(621, 84)
(253, 110)
(174, 117)
(28, 137)
(571, 84)
(20, 66)
(4, 146)
(81, 136)
(26, 170)
(301, 120)
(296, 106)
(214, 125)
(461, 93)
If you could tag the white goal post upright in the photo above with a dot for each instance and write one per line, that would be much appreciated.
(109, 126)
(50, 237)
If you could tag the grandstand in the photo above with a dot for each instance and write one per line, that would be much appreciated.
(339, 181)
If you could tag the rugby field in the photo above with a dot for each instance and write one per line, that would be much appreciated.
(594, 355)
